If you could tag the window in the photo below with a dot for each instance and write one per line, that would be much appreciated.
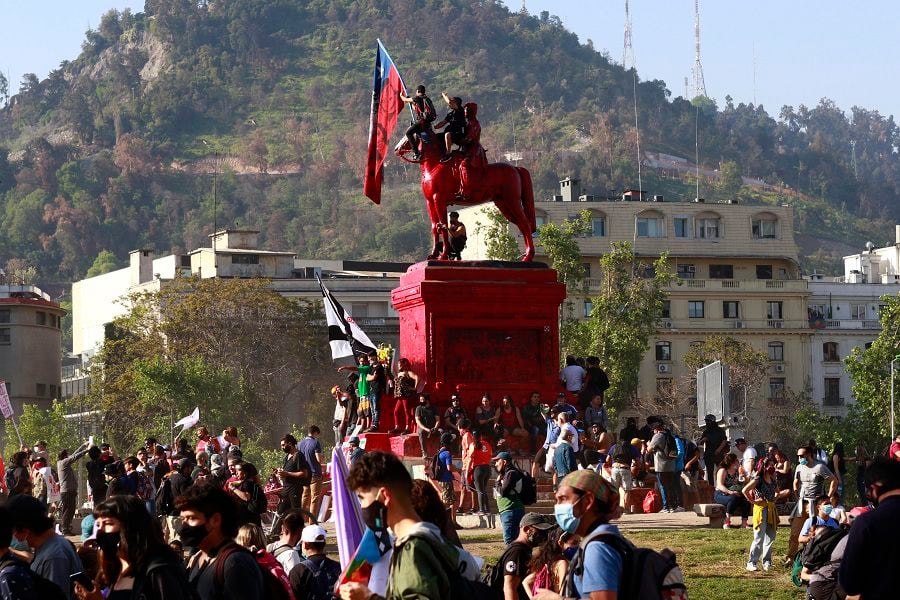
(40, 390)
(764, 228)
(587, 269)
(830, 352)
(663, 351)
(695, 309)
(685, 271)
(5, 336)
(41, 318)
(818, 311)
(648, 271)
(667, 309)
(832, 392)
(54, 391)
(776, 388)
(858, 312)
(776, 351)
(682, 227)
(598, 227)
(764, 271)
(245, 259)
(708, 229)
(868, 345)
(721, 271)
(651, 227)
(588, 308)
(730, 309)
(773, 310)
(4, 315)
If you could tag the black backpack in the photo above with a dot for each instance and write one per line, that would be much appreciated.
(165, 498)
(646, 574)
(528, 492)
(272, 587)
(257, 503)
(818, 551)
(493, 580)
(437, 467)
(671, 447)
(43, 587)
(428, 110)
(325, 573)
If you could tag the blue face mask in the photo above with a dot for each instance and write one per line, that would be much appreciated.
(827, 508)
(803, 461)
(565, 516)
(570, 552)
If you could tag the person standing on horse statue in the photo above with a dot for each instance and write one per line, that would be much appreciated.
(424, 115)
(475, 161)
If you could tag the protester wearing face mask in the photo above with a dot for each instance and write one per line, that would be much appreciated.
(550, 562)
(515, 561)
(762, 492)
(585, 505)
(822, 518)
(135, 561)
(422, 561)
(810, 478)
(221, 569)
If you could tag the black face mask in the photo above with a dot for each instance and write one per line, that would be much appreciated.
(375, 516)
(287, 449)
(536, 538)
(193, 535)
(109, 543)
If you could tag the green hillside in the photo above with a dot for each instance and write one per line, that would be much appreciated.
(118, 148)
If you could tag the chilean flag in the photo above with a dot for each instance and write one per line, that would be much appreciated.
(386, 108)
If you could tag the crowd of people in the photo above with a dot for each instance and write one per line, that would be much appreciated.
(166, 523)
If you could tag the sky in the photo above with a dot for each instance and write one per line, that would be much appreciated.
(804, 49)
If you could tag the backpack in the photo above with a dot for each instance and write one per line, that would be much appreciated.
(818, 551)
(670, 450)
(652, 502)
(528, 492)
(428, 111)
(437, 467)
(257, 504)
(273, 587)
(144, 486)
(165, 498)
(325, 574)
(493, 581)
(646, 574)
(43, 587)
(682, 453)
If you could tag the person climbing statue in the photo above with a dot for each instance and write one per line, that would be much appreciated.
(423, 115)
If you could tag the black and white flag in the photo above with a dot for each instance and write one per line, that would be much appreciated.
(344, 335)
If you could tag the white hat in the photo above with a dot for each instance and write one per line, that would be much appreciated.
(312, 534)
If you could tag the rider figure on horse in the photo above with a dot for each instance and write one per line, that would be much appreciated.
(423, 115)
(475, 161)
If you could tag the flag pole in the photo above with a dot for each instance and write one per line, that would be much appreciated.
(16, 427)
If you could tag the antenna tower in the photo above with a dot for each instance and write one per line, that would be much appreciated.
(627, 50)
(523, 7)
(699, 83)
(853, 159)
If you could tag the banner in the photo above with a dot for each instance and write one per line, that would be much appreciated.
(5, 405)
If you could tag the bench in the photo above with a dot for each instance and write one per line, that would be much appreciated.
(714, 512)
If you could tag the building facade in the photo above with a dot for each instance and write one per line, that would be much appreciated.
(30, 340)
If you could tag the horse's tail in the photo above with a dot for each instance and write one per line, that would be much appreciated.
(527, 197)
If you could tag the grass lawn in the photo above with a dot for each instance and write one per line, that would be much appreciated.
(713, 561)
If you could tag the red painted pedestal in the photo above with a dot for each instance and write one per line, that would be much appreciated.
(481, 326)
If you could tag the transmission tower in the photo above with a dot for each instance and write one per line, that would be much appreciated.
(699, 83)
(853, 159)
(627, 50)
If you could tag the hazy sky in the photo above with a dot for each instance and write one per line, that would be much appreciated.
(805, 49)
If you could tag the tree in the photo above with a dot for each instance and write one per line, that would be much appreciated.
(746, 366)
(625, 314)
(48, 425)
(870, 370)
(237, 348)
(501, 245)
(730, 181)
(560, 242)
(104, 263)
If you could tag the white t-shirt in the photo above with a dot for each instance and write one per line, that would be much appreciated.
(749, 461)
(573, 375)
(576, 445)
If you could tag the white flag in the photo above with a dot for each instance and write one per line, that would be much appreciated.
(190, 420)
(344, 335)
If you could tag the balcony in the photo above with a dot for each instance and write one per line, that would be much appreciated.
(850, 324)
(731, 325)
(832, 401)
(752, 285)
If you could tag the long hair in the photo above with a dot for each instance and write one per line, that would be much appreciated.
(142, 536)
(547, 554)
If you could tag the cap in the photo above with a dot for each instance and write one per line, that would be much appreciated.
(710, 418)
(636, 441)
(502, 456)
(591, 481)
(312, 534)
(353, 440)
(446, 439)
(536, 520)
(454, 396)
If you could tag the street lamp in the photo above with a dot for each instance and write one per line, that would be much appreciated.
(893, 434)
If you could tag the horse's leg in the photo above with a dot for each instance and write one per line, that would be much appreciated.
(441, 210)
(435, 221)
(510, 206)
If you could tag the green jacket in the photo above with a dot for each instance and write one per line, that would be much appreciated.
(419, 567)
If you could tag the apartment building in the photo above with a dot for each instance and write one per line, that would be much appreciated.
(738, 275)
(30, 338)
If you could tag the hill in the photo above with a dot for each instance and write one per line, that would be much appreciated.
(120, 147)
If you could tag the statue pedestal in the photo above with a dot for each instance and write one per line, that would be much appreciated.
(481, 326)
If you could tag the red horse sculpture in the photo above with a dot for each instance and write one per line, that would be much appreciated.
(507, 186)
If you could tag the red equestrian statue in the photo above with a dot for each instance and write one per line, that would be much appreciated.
(468, 181)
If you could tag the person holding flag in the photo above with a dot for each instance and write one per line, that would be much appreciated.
(423, 115)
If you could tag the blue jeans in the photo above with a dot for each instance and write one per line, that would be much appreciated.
(374, 397)
(763, 540)
(509, 520)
